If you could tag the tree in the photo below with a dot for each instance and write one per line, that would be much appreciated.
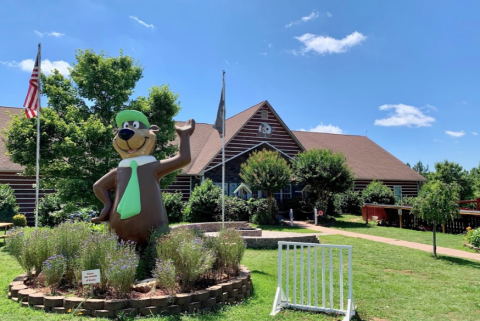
(326, 172)
(451, 172)
(266, 171)
(437, 203)
(203, 202)
(77, 128)
(8, 203)
(421, 169)
(377, 193)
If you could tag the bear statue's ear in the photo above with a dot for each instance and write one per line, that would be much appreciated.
(154, 128)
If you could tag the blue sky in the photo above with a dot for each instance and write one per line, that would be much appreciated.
(404, 73)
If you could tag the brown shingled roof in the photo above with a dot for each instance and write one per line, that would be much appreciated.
(367, 159)
(5, 163)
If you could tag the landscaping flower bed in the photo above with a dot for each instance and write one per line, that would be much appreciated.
(188, 271)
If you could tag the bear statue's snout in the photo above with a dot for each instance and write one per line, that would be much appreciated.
(126, 133)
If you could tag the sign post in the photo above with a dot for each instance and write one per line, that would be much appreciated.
(291, 217)
(91, 277)
(316, 216)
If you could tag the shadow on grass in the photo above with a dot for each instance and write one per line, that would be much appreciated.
(459, 261)
(259, 272)
(342, 224)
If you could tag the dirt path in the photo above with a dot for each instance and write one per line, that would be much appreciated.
(412, 245)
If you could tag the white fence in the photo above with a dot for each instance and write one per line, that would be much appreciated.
(301, 275)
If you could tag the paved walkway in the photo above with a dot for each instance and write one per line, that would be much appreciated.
(412, 245)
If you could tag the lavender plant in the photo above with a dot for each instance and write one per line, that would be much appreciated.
(165, 274)
(122, 264)
(53, 269)
(40, 247)
(189, 253)
(17, 245)
(229, 248)
(93, 254)
(69, 239)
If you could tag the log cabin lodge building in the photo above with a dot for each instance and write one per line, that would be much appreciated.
(255, 128)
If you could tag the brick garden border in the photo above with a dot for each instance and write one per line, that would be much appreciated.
(235, 290)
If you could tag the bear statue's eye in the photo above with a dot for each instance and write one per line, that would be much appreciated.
(136, 124)
(125, 125)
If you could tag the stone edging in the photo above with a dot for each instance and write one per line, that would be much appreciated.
(476, 249)
(272, 243)
(235, 290)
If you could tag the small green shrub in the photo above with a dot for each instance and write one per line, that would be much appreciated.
(378, 193)
(53, 268)
(475, 238)
(258, 210)
(69, 239)
(203, 202)
(190, 255)
(123, 262)
(51, 212)
(165, 275)
(174, 206)
(229, 248)
(19, 220)
(468, 236)
(8, 203)
(17, 246)
(236, 209)
(349, 202)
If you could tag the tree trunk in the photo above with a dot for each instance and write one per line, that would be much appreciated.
(434, 240)
(270, 203)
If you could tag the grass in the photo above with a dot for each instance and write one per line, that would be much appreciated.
(389, 283)
(354, 223)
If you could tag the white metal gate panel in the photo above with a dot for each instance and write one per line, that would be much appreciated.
(305, 263)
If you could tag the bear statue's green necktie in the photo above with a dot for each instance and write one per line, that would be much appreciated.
(130, 203)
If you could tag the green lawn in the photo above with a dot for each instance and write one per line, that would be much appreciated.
(355, 223)
(390, 283)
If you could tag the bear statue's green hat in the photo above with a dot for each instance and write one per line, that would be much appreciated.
(131, 115)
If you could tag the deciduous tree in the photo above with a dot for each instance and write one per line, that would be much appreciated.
(78, 126)
(266, 171)
(326, 172)
(451, 172)
(437, 203)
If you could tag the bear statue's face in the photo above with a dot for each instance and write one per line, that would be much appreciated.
(135, 139)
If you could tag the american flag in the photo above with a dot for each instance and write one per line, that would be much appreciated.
(31, 101)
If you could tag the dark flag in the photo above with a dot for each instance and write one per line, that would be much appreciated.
(220, 121)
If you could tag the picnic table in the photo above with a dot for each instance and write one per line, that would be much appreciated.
(5, 226)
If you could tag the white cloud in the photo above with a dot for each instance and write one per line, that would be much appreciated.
(323, 45)
(143, 23)
(455, 134)
(312, 16)
(331, 129)
(329, 14)
(263, 53)
(49, 34)
(475, 133)
(404, 115)
(47, 66)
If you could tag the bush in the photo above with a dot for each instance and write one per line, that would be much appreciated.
(174, 206)
(148, 255)
(16, 245)
(475, 238)
(165, 275)
(235, 210)
(407, 200)
(258, 210)
(348, 203)
(190, 255)
(203, 202)
(123, 262)
(69, 239)
(377, 193)
(8, 203)
(94, 252)
(53, 268)
(229, 248)
(51, 212)
(39, 247)
(19, 220)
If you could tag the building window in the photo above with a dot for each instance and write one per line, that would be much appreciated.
(284, 194)
(397, 193)
(264, 114)
(225, 187)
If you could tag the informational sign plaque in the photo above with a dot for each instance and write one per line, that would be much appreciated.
(91, 276)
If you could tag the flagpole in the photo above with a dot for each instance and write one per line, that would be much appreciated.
(38, 131)
(223, 154)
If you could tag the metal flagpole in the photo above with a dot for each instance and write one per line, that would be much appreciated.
(223, 155)
(38, 130)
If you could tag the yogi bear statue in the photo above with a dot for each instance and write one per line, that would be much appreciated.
(138, 207)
